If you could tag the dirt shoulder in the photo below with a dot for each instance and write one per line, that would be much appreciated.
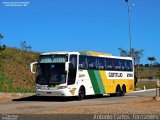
(105, 105)
(148, 106)
(6, 99)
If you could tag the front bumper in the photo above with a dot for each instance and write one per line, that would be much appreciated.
(57, 92)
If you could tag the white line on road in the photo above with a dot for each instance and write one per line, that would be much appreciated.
(144, 90)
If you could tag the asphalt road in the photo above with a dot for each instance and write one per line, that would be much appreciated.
(26, 108)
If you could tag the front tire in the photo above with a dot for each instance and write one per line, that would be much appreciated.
(81, 93)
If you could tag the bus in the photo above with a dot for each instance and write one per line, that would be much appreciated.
(82, 73)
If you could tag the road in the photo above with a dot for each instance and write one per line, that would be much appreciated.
(41, 106)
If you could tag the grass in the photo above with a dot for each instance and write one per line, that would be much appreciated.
(15, 75)
(144, 72)
(6, 85)
(148, 85)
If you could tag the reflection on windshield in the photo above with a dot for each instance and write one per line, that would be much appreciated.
(50, 73)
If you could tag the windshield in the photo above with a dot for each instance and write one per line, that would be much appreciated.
(50, 73)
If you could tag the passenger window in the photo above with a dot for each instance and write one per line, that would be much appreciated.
(82, 62)
(101, 64)
(122, 62)
(129, 66)
(92, 63)
(117, 64)
(109, 64)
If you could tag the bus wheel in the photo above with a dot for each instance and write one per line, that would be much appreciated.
(81, 93)
(118, 91)
(123, 91)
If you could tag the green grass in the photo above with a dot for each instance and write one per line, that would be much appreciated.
(6, 85)
(15, 75)
(147, 84)
(144, 72)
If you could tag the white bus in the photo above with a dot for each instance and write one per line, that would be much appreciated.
(83, 73)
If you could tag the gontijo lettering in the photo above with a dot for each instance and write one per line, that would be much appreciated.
(115, 75)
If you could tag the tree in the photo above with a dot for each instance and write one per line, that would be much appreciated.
(25, 47)
(151, 59)
(137, 54)
(124, 52)
(2, 46)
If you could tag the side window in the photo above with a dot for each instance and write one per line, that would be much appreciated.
(82, 62)
(101, 64)
(129, 66)
(122, 63)
(92, 62)
(109, 64)
(117, 64)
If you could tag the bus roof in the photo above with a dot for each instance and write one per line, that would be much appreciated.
(90, 53)
(94, 53)
(87, 53)
(59, 52)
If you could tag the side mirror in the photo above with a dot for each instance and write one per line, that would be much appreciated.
(31, 67)
(66, 66)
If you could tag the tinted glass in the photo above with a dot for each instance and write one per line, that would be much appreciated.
(82, 62)
(129, 66)
(101, 63)
(109, 64)
(92, 62)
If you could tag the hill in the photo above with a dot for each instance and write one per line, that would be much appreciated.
(15, 75)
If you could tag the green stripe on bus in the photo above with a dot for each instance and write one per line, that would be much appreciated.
(94, 81)
(99, 81)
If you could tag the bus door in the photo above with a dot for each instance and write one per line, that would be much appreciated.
(72, 69)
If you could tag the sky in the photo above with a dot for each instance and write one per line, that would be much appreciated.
(78, 25)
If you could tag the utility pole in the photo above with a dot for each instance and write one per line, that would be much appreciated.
(129, 25)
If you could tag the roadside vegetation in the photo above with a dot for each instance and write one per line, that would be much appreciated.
(15, 75)
(145, 79)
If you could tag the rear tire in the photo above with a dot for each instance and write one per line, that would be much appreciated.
(118, 91)
(122, 93)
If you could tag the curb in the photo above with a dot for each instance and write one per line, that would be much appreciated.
(15, 95)
(144, 90)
